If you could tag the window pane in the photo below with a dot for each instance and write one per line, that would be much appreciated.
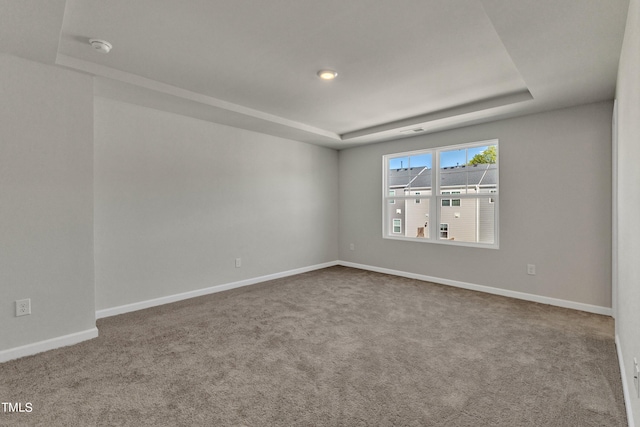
(395, 216)
(469, 170)
(399, 162)
(420, 161)
(406, 217)
(398, 175)
(416, 218)
(410, 173)
(472, 220)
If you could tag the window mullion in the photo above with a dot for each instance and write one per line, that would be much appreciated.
(435, 200)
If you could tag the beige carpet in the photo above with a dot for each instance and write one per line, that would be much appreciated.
(334, 347)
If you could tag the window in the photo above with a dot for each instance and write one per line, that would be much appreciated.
(450, 202)
(444, 231)
(426, 181)
(446, 202)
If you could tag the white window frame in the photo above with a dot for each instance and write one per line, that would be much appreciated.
(435, 197)
(393, 225)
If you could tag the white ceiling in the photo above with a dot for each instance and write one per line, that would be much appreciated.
(402, 64)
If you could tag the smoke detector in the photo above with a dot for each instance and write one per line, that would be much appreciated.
(101, 46)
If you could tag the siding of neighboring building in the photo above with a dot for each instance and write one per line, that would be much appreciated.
(394, 215)
(472, 221)
(417, 215)
(486, 221)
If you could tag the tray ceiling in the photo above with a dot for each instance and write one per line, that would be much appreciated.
(415, 64)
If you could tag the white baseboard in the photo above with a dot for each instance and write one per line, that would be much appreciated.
(53, 343)
(107, 312)
(50, 344)
(113, 311)
(625, 385)
(487, 289)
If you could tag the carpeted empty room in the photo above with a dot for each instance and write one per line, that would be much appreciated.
(332, 347)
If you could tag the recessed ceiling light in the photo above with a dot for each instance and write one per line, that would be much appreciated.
(101, 46)
(327, 74)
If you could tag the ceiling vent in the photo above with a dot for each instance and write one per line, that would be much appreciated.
(412, 131)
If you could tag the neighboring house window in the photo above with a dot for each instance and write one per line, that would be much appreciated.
(444, 231)
(424, 181)
(446, 202)
(450, 202)
(455, 202)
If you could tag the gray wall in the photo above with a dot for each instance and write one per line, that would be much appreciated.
(555, 208)
(178, 199)
(46, 201)
(628, 300)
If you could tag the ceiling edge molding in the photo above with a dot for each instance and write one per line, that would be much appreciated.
(145, 83)
(447, 113)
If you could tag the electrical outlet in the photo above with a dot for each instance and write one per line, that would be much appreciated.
(531, 269)
(636, 376)
(23, 307)
(238, 262)
(352, 246)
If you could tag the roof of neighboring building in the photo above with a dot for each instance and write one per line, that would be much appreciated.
(454, 176)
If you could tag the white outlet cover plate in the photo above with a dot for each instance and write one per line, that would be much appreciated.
(23, 307)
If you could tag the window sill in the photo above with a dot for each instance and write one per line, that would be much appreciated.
(444, 242)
